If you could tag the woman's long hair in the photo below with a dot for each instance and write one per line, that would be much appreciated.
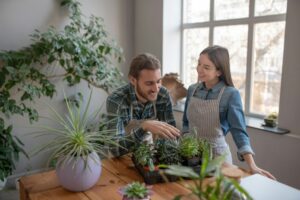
(219, 56)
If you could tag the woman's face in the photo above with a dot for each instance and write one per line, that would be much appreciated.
(207, 71)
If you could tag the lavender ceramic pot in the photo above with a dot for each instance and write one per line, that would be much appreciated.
(126, 198)
(75, 176)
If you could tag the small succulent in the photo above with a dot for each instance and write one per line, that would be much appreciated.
(271, 119)
(136, 191)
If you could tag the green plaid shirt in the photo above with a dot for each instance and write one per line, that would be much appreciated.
(121, 102)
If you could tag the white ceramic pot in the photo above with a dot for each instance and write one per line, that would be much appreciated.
(75, 176)
(3, 183)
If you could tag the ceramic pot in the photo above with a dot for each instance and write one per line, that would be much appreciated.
(126, 198)
(3, 183)
(75, 176)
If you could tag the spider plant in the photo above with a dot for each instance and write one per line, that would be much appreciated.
(78, 134)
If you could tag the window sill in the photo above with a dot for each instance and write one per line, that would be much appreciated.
(258, 123)
(251, 122)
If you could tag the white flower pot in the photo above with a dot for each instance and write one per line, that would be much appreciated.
(75, 176)
(3, 183)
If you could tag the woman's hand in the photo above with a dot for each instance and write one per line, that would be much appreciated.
(257, 170)
(254, 169)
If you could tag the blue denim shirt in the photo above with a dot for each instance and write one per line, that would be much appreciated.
(231, 113)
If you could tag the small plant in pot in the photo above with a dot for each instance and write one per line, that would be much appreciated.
(271, 120)
(167, 152)
(144, 155)
(136, 191)
(189, 150)
(76, 145)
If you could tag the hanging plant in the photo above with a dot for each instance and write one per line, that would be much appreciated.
(81, 51)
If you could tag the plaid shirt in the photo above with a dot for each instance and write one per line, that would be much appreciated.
(124, 104)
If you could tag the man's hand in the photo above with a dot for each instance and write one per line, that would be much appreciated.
(160, 129)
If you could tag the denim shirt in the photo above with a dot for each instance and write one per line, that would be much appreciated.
(232, 117)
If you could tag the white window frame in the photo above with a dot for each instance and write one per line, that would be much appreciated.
(250, 21)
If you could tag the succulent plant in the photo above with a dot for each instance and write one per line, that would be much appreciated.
(136, 191)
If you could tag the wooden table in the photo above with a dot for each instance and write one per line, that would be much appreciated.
(116, 173)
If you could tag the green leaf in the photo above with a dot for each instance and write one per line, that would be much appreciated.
(2, 78)
(26, 96)
(51, 58)
(62, 62)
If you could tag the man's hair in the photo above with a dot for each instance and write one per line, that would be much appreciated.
(141, 62)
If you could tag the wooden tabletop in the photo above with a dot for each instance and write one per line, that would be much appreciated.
(116, 173)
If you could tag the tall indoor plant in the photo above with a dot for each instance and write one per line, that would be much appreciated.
(76, 144)
(83, 50)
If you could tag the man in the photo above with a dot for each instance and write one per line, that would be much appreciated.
(143, 108)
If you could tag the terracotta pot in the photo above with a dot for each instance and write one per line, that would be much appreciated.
(146, 168)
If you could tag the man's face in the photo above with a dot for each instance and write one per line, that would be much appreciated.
(147, 85)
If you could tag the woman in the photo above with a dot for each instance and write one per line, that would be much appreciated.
(214, 108)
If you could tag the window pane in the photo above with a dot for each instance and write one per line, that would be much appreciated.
(196, 11)
(234, 38)
(270, 7)
(231, 9)
(195, 40)
(267, 65)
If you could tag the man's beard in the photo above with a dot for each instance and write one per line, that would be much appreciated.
(142, 94)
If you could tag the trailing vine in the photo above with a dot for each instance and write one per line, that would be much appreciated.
(81, 51)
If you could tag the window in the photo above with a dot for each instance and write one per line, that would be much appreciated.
(253, 32)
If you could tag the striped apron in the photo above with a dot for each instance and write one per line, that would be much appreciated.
(204, 117)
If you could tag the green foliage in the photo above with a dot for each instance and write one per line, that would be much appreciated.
(135, 190)
(222, 189)
(144, 155)
(9, 150)
(167, 152)
(82, 51)
(77, 135)
(189, 146)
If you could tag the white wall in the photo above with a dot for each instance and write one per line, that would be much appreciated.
(18, 19)
(148, 27)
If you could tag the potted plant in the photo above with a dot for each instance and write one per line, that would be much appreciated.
(271, 120)
(82, 50)
(146, 163)
(167, 152)
(143, 155)
(76, 145)
(136, 191)
(189, 150)
(220, 187)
